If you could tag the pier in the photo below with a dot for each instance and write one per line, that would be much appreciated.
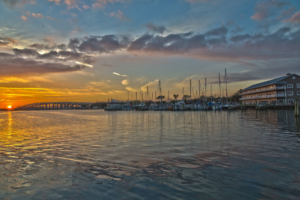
(55, 106)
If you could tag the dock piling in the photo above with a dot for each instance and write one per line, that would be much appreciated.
(297, 108)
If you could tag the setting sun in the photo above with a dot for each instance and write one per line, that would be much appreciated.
(9, 107)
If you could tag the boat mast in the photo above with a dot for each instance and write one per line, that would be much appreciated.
(220, 86)
(136, 97)
(199, 90)
(226, 87)
(205, 90)
(159, 85)
(183, 93)
(159, 88)
(190, 90)
(211, 95)
(168, 96)
(147, 93)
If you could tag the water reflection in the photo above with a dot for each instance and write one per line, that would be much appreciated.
(149, 155)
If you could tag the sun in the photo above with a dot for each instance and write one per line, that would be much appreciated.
(9, 107)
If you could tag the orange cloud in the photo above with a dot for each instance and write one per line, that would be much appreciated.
(24, 18)
(294, 19)
(119, 15)
(37, 15)
(70, 2)
(86, 7)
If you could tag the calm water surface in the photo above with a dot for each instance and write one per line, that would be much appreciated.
(149, 155)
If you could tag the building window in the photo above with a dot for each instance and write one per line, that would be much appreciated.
(280, 101)
(291, 100)
(298, 92)
(281, 94)
(294, 77)
(298, 85)
(289, 85)
(290, 93)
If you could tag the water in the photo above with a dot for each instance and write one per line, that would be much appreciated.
(149, 155)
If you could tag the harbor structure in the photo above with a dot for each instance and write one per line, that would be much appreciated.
(115, 105)
(279, 91)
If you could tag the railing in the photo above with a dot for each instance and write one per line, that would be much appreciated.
(264, 90)
(263, 97)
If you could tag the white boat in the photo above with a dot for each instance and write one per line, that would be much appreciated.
(141, 106)
(153, 106)
(180, 105)
(217, 106)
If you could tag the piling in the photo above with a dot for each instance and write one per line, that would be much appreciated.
(297, 108)
(297, 124)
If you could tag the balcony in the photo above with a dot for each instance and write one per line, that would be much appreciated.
(264, 90)
(263, 97)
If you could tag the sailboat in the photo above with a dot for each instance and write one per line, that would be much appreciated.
(226, 106)
(218, 105)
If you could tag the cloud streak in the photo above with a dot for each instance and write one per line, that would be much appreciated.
(12, 65)
(267, 8)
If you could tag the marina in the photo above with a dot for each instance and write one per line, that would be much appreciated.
(149, 100)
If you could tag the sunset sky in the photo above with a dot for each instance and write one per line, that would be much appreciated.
(88, 50)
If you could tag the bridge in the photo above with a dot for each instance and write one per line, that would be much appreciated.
(55, 106)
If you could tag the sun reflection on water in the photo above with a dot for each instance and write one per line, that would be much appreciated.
(9, 125)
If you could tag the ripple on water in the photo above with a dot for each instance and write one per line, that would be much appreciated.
(149, 155)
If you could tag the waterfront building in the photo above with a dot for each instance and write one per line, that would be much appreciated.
(282, 90)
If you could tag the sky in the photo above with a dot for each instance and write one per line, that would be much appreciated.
(95, 50)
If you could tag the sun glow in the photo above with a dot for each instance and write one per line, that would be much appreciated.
(9, 107)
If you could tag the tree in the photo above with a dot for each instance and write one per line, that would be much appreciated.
(160, 97)
(236, 96)
(185, 97)
(175, 96)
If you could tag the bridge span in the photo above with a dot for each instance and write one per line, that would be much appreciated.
(55, 106)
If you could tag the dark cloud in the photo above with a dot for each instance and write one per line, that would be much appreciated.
(25, 52)
(179, 43)
(100, 44)
(169, 44)
(215, 45)
(240, 38)
(11, 65)
(48, 47)
(237, 29)
(155, 28)
(67, 56)
(73, 44)
(30, 61)
(60, 56)
(222, 31)
(218, 44)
